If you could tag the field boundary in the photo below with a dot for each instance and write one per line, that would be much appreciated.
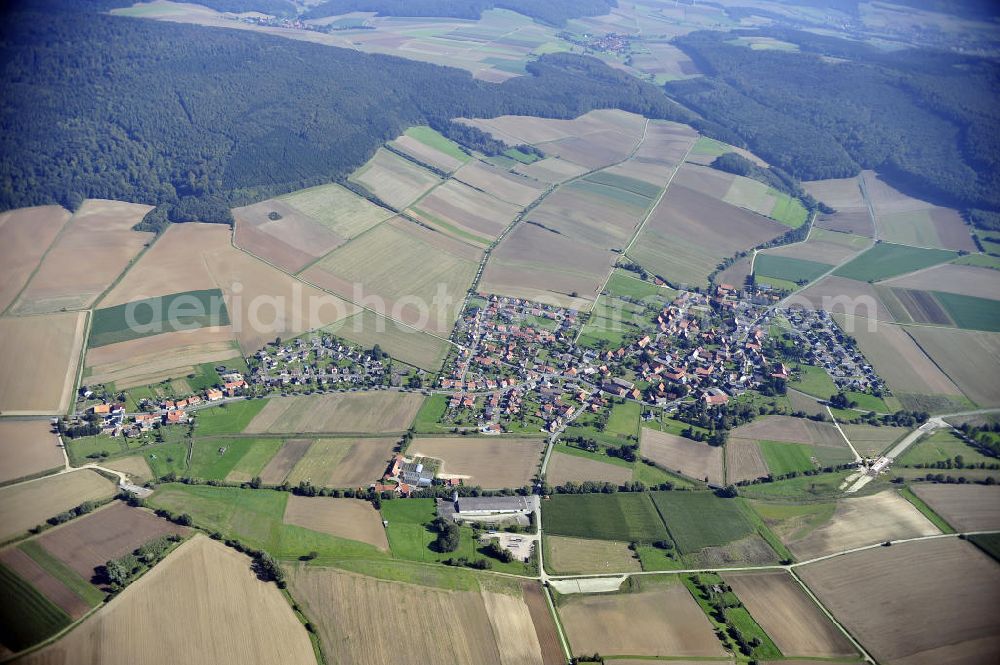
(829, 615)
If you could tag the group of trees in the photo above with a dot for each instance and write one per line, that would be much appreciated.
(928, 120)
(118, 573)
(449, 535)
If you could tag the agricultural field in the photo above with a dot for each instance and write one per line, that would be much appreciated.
(951, 278)
(231, 459)
(905, 220)
(790, 430)
(784, 458)
(135, 467)
(87, 543)
(281, 235)
(342, 413)
(744, 461)
(693, 459)
(359, 619)
(551, 170)
(660, 620)
(689, 233)
(623, 517)
(489, 462)
(886, 260)
(403, 343)
(352, 519)
(369, 269)
(964, 507)
(510, 187)
(28, 504)
(47, 349)
(870, 441)
(394, 179)
(276, 470)
(860, 521)
(942, 445)
(793, 620)
(175, 312)
(424, 145)
(201, 602)
(579, 556)
(338, 209)
(96, 245)
(566, 467)
(27, 448)
(464, 213)
(28, 617)
(823, 246)
(788, 268)
(743, 193)
(343, 462)
(228, 418)
(971, 359)
(25, 236)
(711, 530)
(839, 295)
(928, 602)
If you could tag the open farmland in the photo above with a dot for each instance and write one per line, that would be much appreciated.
(550, 170)
(579, 556)
(27, 448)
(464, 213)
(360, 619)
(662, 621)
(338, 209)
(788, 268)
(281, 235)
(510, 187)
(185, 311)
(97, 244)
(35, 568)
(394, 179)
(689, 458)
(716, 531)
(744, 461)
(906, 220)
(202, 602)
(844, 195)
(795, 623)
(25, 236)
(29, 504)
(342, 413)
(281, 464)
(352, 519)
(403, 343)
(516, 129)
(46, 349)
(490, 462)
(343, 462)
(370, 269)
(689, 233)
(790, 430)
(743, 193)
(839, 295)
(28, 617)
(951, 278)
(886, 260)
(860, 521)
(624, 517)
(870, 441)
(89, 542)
(429, 147)
(564, 467)
(965, 507)
(970, 358)
(923, 603)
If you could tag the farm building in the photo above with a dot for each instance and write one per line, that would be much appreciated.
(485, 506)
(414, 473)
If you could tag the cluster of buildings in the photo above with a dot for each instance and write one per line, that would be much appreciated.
(316, 362)
(404, 476)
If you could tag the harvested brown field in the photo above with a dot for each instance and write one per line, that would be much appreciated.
(594, 150)
(29, 504)
(870, 441)
(662, 622)
(839, 193)
(966, 280)
(860, 521)
(135, 467)
(43, 581)
(510, 187)
(744, 461)
(96, 246)
(689, 458)
(279, 466)
(970, 358)
(667, 143)
(513, 628)
(200, 256)
(490, 462)
(689, 233)
(564, 467)
(394, 179)
(27, 448)
(736, 274)
(146, 360)
(461, 211)
(425, 153)
(965, 507)
(905, 220)
(790, 430)
(47, 349)
(92, 540)
(922, 603)
(704, 180)
(839, 295)
(344, 462)
(353, 519)
(290, 242)
(580, 556)
(365, 621)
(919, 307)
(545, 625)
(533, 130)
(790, 617)
(342, 211)
(588, 211)
(824, 246)
(25, 236)
(898, 359)
(858, 222)
(806, 404)
(551, 170)
(340, 413)
(202, 604)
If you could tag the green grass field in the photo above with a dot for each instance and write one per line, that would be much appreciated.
(802, 488)
(247, 456)
(623, 516)
(784, 458)
(231, 418)
(26, 616)
(788, 268)
(522, 157)
(431, 411)
(814, 381)
(81, 587)
(255, 517)
(868, 402)
(433, 139)
(178, 311)
(624, 419)
(970, 312)
(166, 458)
(787, 210)
(701, 519)
(886, 260)
(622, 283)
(942, 446)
